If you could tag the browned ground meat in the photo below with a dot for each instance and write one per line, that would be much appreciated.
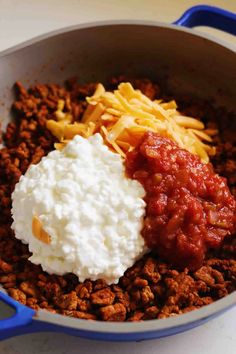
(151, 288)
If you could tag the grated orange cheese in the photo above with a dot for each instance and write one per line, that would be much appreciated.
(123, 116)
(39, 232)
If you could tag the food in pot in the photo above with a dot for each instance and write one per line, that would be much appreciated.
(91, 214)
(152, 287)
(189, 207)
(125, 115)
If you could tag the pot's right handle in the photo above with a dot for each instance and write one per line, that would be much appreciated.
(211, 16)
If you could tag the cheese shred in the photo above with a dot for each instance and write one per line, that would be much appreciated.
(123, 117)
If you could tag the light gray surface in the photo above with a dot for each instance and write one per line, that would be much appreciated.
(218, 336)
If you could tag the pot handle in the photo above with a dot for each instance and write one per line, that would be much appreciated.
(211, 16)
(15, 324)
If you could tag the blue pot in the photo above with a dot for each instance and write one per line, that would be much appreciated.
(189, 62)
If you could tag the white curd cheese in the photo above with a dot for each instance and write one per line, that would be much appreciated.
(91, 210)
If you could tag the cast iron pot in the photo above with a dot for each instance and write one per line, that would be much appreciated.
(184, 60)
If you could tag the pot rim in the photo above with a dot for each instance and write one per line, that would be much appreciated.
(199, 315)
(107, 23)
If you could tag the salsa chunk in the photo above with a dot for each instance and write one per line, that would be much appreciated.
(189, 207)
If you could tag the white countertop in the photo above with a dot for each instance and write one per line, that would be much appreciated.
(24, 19)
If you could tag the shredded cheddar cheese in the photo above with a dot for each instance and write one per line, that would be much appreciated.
(123, 116)
(39, 232)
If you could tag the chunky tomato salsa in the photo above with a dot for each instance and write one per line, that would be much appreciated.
(189, 207)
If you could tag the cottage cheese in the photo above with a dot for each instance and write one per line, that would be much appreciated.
(92, 212)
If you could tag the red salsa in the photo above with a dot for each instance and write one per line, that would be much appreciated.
(189, 207)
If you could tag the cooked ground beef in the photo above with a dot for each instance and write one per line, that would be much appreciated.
(151, 288)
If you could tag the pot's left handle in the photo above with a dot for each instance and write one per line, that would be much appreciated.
(17, 323)
(210, 16)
